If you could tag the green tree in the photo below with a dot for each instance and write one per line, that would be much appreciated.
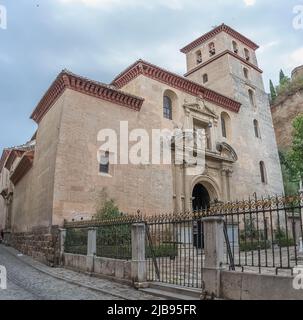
(282, 76)
(106, 207)
(294, 157)
(273, 92)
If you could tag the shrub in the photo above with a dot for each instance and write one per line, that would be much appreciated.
(254, 245)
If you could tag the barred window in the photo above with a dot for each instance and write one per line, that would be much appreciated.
(104, 163)
(167, 108)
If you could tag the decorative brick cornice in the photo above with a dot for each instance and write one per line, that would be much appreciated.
(154, 72)
(23, 167)
(5, 154)
(13, 155)
(86, 86)
(219, 55)
(222, 28)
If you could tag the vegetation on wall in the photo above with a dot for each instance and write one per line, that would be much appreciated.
(286, 87)
(106, 208)
(292, 160)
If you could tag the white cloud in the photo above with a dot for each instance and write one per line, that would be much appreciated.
(296, 58)
(267, 46)
(110, 4)
(250, 2)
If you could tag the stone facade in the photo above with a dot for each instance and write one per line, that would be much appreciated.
(64, 181)
(285, 112)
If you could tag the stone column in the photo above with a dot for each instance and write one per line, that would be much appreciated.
(62, 237)
(91, 249)
(138, 267)
(214, 254)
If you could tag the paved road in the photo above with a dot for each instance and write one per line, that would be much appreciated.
(25, 282)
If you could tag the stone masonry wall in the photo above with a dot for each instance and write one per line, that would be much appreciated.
(41, 244)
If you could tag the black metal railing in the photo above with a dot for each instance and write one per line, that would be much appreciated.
(264, 234)
(114, 241)
(174, 247)
(76, 241)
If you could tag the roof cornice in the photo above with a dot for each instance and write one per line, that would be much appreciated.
(13, 155)
(222, 28)
(154, 72)
(23, 167)
(5, 154)
(219, 55)
(68, 80)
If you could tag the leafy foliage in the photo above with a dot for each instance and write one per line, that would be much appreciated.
(290, 186)
(273, 93)
(106, 207)
(294, 158)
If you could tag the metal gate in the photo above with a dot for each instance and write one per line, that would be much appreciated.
(174, 250)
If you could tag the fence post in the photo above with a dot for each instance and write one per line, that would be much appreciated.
(62, 237)
(214, 254)
(138, 267)
(91, 249)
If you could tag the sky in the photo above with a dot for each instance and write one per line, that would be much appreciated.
(100, 38)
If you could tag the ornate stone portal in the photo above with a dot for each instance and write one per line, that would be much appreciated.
(219, 161)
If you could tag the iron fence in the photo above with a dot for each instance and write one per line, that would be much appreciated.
(174, 249)
(114, 241)
(76, 241)
(263, 234)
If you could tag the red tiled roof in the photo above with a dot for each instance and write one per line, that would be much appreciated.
(86, 86)
(23, 167)
(147, 69)
(222, 28)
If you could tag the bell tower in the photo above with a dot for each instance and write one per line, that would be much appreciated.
(225, 61)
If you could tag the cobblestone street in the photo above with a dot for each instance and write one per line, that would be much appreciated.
(31, 280)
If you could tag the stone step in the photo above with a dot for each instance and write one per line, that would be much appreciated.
(193, 292)
(173, 292)
(166, 294)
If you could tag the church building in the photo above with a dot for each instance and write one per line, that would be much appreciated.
(57, 175)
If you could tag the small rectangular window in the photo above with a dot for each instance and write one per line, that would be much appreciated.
(104, 163)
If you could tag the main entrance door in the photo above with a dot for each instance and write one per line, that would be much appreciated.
(201, 201)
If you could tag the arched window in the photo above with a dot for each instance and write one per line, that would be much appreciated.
(263, 172)
(246, 54)
(167, 108)
(235, 47)
(225, 125)
(212, 49)
(205, 77)
(199, 57)
(246, 73)
(251, 97)
(257, 129)
(104, 163)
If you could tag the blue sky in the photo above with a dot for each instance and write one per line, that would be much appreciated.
(99, 38)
